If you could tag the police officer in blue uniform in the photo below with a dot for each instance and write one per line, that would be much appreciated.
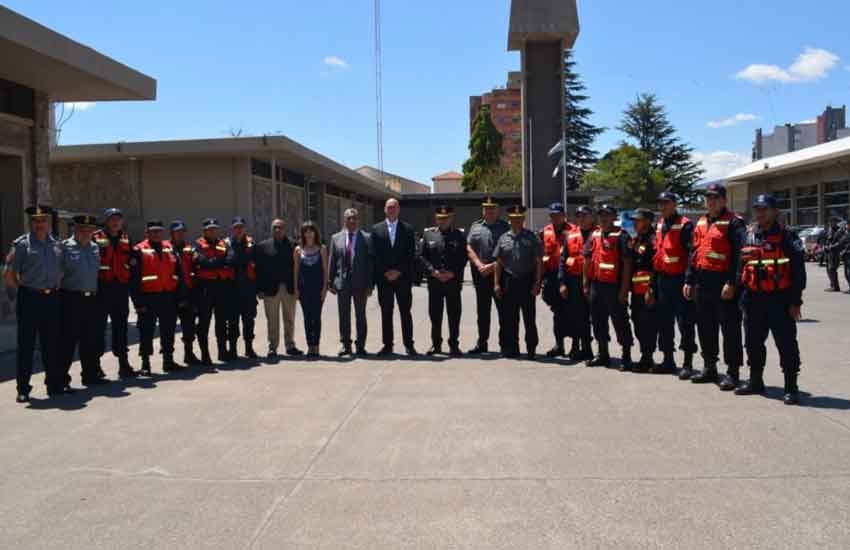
(32, 268)
(772, 272)
(79, 265)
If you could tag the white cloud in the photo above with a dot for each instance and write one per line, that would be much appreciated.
(812, 64)
(732, 120)
(337, 62)
(79, 106)
(719, 164)
(809, 121)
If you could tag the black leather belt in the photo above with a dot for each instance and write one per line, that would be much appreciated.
(44, 291)
(85, 293)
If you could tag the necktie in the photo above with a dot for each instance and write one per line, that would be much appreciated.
(348, 250)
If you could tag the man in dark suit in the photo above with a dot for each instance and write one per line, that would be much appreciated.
(276, 287)
(395, 258)
(350, 270)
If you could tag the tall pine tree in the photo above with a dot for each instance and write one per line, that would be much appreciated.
(485, 151)
(580, 133)
(646, 122)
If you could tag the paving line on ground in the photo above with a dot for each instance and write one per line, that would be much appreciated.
(283, 498)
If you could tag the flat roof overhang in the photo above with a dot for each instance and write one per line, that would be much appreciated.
(36, 57)
(542, 21)
(834, 153)
(285, 151)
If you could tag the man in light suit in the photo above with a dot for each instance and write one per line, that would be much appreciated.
(350, 271)
(395, 258)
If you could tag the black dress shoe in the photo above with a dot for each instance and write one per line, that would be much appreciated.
(750, 387)
(206, 360)
(68, 390)
(532, 354)
(361, 352)
(792, 398)
(343, 351)
(294, 351)
(435, 350)
(386, 351)
(22, 398)
(411, 351)
(271, 355)
(478, 350)
(95, 382)
(454, 351)
(707, 376)
(146, 367)
(128, 374)
(168, 365)
(686, 373)
(729, 382)
(599, 361)
(580, 355)
(557, 351)
(510, 354)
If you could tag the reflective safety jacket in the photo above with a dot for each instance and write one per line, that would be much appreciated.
(766, 268)
(671, 258)
(114, 261)
(158, 270)
(187, 264)
(219, 250)
(605, 257)
(553, 244)
(574, 262)
(712, 249)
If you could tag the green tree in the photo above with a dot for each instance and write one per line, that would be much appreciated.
(579, 132)
(485, 151)
(628, 173)
(646, 122)
(502, 179)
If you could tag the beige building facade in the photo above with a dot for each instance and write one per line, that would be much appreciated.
(256, 178)
(450, 182)
(811, 184)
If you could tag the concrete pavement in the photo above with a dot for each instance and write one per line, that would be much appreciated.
(461, 453)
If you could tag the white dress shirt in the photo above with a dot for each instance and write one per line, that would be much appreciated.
(391, 227)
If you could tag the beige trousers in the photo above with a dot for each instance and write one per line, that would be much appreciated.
(281, 303)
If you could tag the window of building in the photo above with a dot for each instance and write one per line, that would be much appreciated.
(16, 99)
(836, 199)
(783, 203)
(501, 105)
(807, 205)
(261, 168)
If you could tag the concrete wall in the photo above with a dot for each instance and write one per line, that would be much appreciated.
(447, 186)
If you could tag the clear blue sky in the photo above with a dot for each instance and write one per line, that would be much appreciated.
(305, 69)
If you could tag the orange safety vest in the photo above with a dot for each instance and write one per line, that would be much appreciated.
(114, 262)
(553, 244)
(766, 267)
(159, 271)
(575, 251)
(187, 265)
(671, 258)
(642, 278)
(217, 251)
(712, 249)
(605, 257)
(251, 269)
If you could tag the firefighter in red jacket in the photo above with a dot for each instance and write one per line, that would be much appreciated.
(674, 237)
(607, 280)
(570, 275)
(156, 286)
(245, 298)
(554, 237)
(773, 277)
(712, 282)
(644, 312)
(213, 259)
(113, 292)
(188, 312)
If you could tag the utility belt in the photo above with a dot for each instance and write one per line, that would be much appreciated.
(38, 291)
(80, 293)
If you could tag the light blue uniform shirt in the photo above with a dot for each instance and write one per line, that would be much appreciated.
(79, 265)
(36, 262)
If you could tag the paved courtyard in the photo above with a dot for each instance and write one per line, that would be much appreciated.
(461, 454)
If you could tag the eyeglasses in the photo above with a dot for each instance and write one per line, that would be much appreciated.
(278, 228)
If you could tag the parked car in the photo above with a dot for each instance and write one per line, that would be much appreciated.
(812, 242)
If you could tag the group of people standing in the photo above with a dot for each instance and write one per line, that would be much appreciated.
(707, 278)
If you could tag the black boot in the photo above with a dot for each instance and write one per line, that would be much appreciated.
(249, 350)
(585, 352)
(168, 364)
(646, 364)
(753, 386)
(602, 359)
(626, 360)
(707, 376)
(125, 370)
(687, 371)
(575, 350)
(730, 380)
(667, 366)
(146, 366)
(792, 392)
(223, 354)
(557, 350)
(189, 356)
(206, 360)
(232, 354)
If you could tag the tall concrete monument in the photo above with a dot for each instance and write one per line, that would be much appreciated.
(541, 30)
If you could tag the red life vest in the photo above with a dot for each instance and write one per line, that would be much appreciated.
(553, 244)
(766, 267)
(642, 277)
(605, 257)
(217, 251)
(114, 261)
(712, 249)
(187, 265)
(159, 271)
(671, 258)
(575, 251)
